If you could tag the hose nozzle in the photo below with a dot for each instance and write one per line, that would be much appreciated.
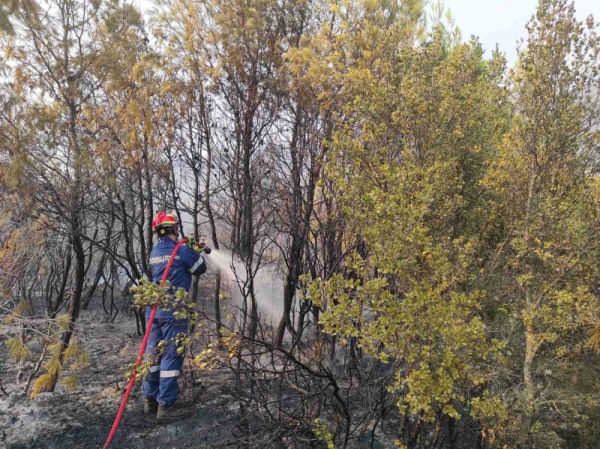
(192, 243)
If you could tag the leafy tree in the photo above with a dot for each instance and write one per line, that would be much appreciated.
(407, 163)
(547, 203)
(57, 61)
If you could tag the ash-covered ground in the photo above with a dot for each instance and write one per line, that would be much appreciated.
(83, 419)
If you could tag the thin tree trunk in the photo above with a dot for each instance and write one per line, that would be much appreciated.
(218, 302)
(63, 285)
(288, 296)
(149, 204)
(530, 341)
(75, 302)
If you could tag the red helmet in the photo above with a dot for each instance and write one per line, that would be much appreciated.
(164, 223)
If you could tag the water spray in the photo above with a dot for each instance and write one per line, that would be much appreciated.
(268, 285)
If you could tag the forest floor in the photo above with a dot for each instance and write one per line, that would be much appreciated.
(83, 418)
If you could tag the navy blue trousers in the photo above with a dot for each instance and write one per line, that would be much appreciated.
(161, 382)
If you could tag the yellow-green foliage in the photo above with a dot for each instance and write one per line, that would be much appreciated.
(16, 349)
(408, 187)
(52, 357)
(151, 294)
(594, 341)
(76, 355)
(226, 348)
(42, 383)
(70, 382)
(469, 193)
(323, 433)
(74, 358)
(548, 206)
(53, 369)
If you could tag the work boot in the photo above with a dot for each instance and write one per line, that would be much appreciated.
(168, 413)
(150, 406)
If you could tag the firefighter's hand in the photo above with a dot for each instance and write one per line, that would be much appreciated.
(194, 244)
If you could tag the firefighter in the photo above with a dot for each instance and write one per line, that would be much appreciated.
(160, 388)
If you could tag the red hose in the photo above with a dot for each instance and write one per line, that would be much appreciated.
(141, 353)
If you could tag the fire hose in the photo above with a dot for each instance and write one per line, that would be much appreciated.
(138, 361)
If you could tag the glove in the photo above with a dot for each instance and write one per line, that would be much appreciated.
(194, 244)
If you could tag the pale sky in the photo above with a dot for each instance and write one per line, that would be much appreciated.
(502, 22)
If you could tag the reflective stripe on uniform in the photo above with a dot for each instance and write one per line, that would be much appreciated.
(154, 368)
(197, 264)
(172, 373)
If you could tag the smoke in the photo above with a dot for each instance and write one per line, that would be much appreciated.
(268, 284)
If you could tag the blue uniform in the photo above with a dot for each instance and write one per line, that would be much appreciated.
(161, 382)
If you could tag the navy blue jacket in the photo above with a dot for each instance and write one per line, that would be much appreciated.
(187, 263)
